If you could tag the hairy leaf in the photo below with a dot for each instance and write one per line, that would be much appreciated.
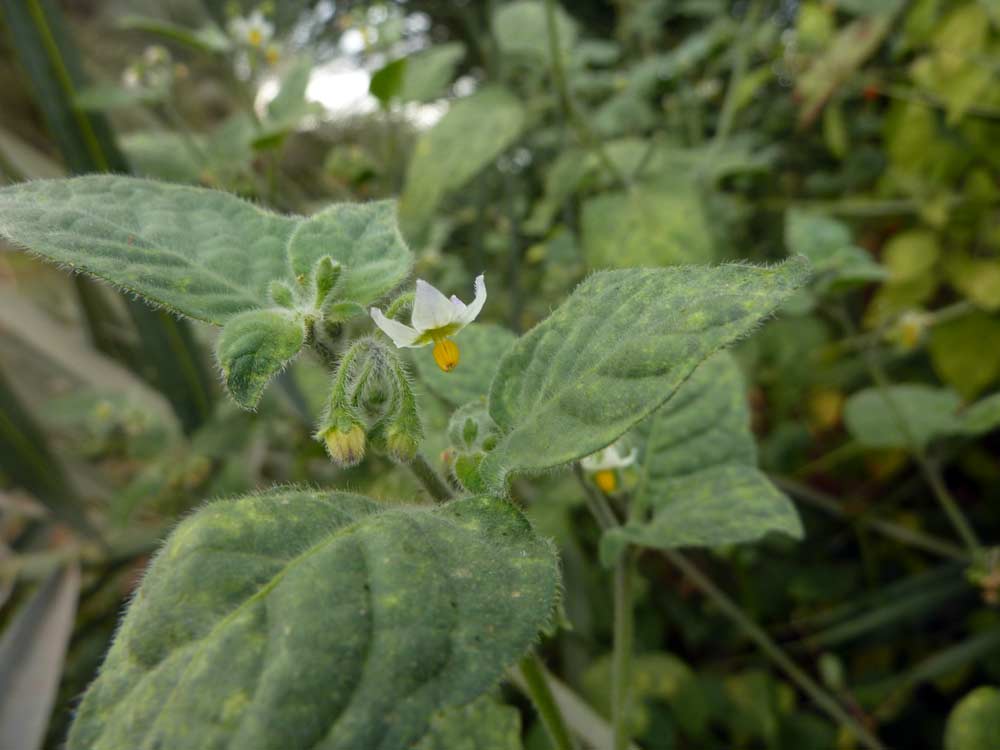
(481, 346)
(254, 347)
(699, 485)
(974, 724)
(203, 253)
(319, 620)
(615, 351)
(874, 418)
(484, 724)
(473, 133)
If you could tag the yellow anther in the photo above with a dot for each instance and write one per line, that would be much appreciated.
(606, 480)
(272, 55)
(446, 354)
(255, 37)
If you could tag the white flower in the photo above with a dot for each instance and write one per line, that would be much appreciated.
(253, 31)
(612, 457)
(603, 464)
(435, 319)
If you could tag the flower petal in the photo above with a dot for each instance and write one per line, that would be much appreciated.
(471, 312)
(401, 334)
(431, 309)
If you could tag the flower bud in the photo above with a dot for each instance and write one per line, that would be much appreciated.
(326, 274)
(400, 443)
(345, 441)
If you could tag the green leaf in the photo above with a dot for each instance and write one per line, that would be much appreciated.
(974, 724)
(699, 485)
(103, 97)
(484, 724)
(929, 413)
(520, 28)
(854, 44)
(254, 347)
(202, 253)
(32, 651)
(473, 133)
(290, 105)
(983, 416)
(305, 619)
(480, 346)
(959, 357)
(614, 351)
(387, 81)
(828, 245)
(645, 227)
(164, 155)
(428, 73)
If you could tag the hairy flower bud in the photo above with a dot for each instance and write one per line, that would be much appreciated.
(345, 442)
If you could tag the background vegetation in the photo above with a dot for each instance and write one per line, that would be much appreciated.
(538, 141)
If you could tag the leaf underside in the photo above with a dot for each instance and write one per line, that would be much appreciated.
(298, 619)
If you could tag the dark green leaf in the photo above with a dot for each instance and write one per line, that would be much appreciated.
(307, 619)
(254, 347)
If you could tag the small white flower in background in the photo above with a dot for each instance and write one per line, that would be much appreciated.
(435, 320)
(253, 31)
(603, 464)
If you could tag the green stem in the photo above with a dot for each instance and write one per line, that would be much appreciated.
(571, 113)
(774, 652)
(888, 529)
(545, 703)
(621, 665)
(430, 479)
(931, 473)
(740, 62)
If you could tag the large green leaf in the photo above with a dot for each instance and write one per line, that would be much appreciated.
(645, 227)
(324, 620)
(471, 135)
(614, 351)
(481, 347)
(428, 72)
(974, 724)
(699, 485)
(484, 724)
(891, 418)
(254, 347)
(203, 253)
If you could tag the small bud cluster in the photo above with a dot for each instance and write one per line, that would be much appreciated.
(371, 404)
(472, 434)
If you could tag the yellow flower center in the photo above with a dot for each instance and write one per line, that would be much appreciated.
(446, 354)
(272, 55)
(255, 37)
(606, 480)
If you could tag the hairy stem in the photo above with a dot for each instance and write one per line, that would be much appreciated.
(537, 687)
(621, 665)
(430, 479)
